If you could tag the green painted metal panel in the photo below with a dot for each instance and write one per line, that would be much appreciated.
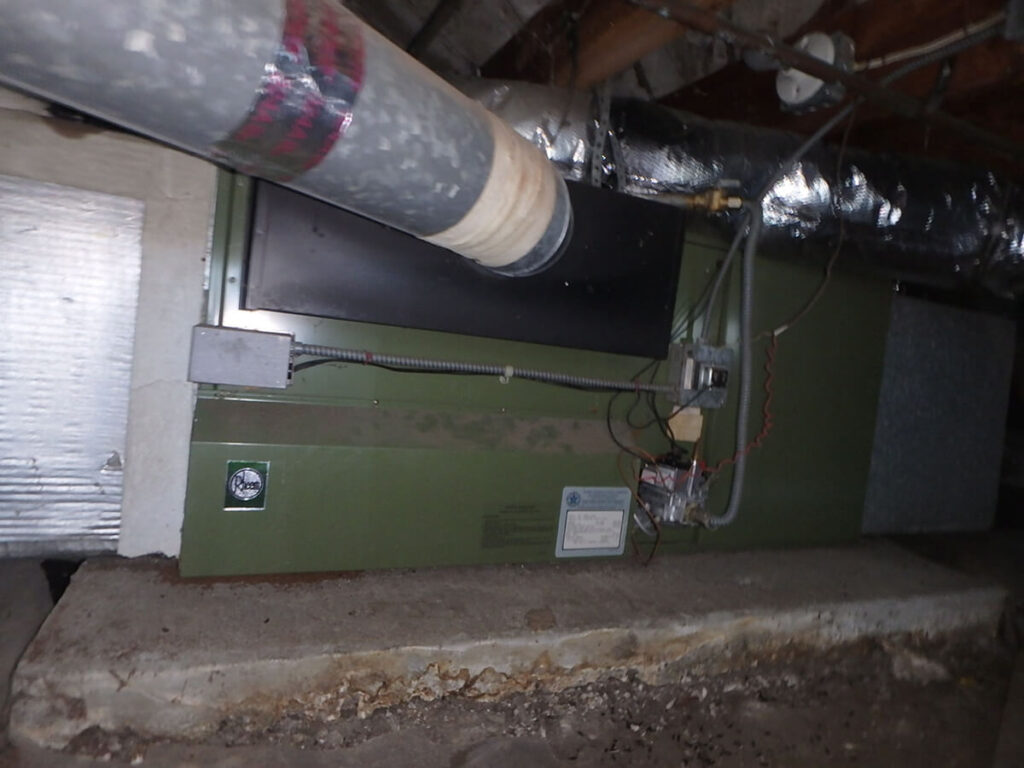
(371, 468)
(807, 484)
(350, 508)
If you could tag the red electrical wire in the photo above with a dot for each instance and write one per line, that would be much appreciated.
(646, 510)
(767, 423)
(768, 419)
(769, 365)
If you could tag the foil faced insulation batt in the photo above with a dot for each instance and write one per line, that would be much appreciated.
(906, 217)
(303, 93)
(70, 261)
(556, 121)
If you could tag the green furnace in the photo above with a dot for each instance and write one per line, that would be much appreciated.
(354, 467)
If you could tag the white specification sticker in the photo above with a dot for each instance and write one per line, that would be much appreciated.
(592, 528)
(592, 522)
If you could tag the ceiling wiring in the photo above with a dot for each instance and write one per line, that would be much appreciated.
(931, 46)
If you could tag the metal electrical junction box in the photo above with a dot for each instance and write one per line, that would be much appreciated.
(700, 374)
(240, 358)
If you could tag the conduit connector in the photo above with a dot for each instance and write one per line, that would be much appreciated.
(711, 200)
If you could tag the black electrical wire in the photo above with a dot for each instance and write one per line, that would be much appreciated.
(611, 432)
(406, 364)
(688, 320)
(325, 360)
(611, 401)
(632, 409)
(656, 364)
(608, 410)
(649, 399)
(663, 421)
(396, 369)
(647, 424)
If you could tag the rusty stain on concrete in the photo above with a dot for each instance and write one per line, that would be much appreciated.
(369, 682)
(539, 619)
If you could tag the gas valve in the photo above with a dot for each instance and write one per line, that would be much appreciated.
(672, 492)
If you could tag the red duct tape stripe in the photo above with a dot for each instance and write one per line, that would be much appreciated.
(307, 95)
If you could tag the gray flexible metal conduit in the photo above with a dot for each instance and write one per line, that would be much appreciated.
(486, 369)
(723, 270)
(746, 373)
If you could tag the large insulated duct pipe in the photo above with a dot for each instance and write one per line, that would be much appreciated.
(303, 93)
(903, 217)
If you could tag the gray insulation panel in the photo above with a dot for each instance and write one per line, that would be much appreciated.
(70, 261)
(941, 420)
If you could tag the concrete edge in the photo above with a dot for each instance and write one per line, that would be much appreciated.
(188, 701)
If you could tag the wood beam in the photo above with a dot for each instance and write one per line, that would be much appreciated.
(612, 37)
(751, 97)
(532, 53)
(992, 70)
(443, 12)
(876, 27)
(1000, 111)
(863, 88)
(584, 42)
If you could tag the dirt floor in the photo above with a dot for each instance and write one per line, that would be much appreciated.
(898, 702)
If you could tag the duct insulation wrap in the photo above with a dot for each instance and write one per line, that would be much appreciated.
(557, 121)
(303, 93)
(905, 217)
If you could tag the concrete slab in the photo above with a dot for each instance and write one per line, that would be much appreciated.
(131, 646)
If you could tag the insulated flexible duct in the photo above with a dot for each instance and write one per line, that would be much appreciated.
(905, 217)
(303, 93)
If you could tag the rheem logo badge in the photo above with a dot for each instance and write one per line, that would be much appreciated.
(246, 485)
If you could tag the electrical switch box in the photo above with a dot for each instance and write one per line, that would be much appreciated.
(700, 374)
